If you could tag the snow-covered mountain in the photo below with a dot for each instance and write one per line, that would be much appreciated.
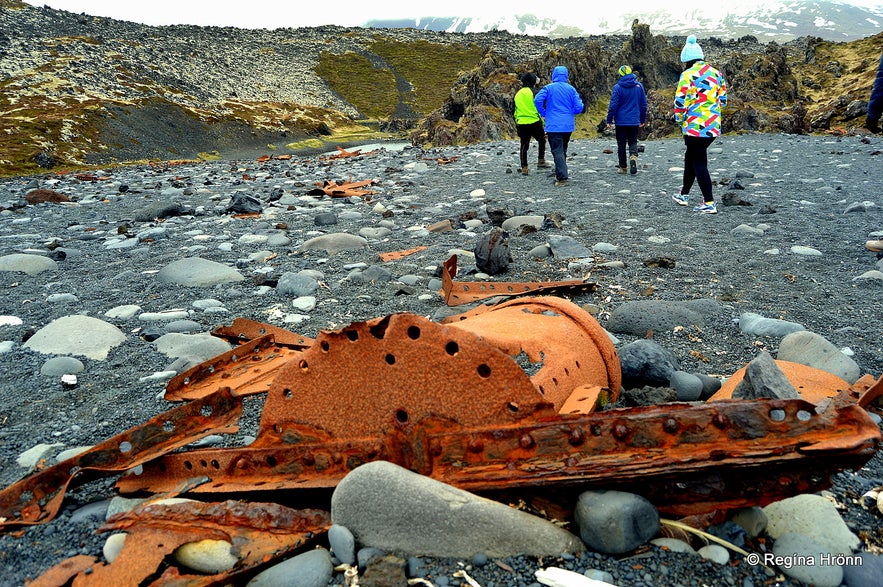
(779, 20)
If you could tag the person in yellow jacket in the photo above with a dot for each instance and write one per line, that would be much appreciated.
(528, 123)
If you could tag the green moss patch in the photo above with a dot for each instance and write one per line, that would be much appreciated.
(394, 77)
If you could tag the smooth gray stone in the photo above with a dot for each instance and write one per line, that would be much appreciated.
(688, 386)
(77, 335)
(864, 570)
(310, 569)
(297, 284)
(807, 560)
(197, 272)
(334, 243)
(813, 350)
(758, 325)
(343, 544)
(615, 522)
(639, 317)
(57, 366)
(29, 264)
(389, 507)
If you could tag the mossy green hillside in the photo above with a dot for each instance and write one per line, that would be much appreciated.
(418, 74)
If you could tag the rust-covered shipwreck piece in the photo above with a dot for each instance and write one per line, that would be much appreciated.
(505, 398)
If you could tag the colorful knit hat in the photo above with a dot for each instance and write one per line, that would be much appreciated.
(691, 50)
(625, 70)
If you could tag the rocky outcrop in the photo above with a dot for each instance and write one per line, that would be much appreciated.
(765, 94)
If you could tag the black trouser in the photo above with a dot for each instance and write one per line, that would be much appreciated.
(626, 135)
(526, 132)
(696, 166)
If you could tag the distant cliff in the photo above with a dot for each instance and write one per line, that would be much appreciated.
(77, 90)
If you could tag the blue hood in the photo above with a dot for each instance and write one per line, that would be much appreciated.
(560, 74)
(628, 81)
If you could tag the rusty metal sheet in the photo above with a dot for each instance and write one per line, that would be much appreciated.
(343, 154)
(443, 160)
(393, 255)
(257, 532)
(64, 572)
(243, 330)
(393, 371)
(865, 392)
(684, 458)
(345, 189)
(247, 369)
(457, 293)
(566, 347)
(37, 498)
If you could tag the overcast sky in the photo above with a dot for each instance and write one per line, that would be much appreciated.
(299, 13)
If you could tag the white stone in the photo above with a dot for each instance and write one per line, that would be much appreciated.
(113, 546)
(32, 456)
(124, 312)
(76, 335)
(206, 556)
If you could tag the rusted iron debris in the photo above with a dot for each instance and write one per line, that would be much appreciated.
(393, 255)
(344, 189)
(457, 293)
(37, 498)
(256, 533)
(343, 154)
(514, 396)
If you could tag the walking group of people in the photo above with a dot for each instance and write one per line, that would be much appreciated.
(700, 96)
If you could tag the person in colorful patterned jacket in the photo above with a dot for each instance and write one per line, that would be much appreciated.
(700, 96)
(528, 123)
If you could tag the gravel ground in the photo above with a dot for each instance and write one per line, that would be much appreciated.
(801, 192)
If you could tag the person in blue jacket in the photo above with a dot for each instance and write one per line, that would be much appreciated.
(875, 103)
(558, 103)
(628, 110)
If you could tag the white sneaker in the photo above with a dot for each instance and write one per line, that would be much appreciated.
(706, 208)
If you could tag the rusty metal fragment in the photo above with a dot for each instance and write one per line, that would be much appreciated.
(464, 292)
(443, 160)
(573, 352)
(393, 255)
(864, 392)
(265, 158)
(243, 330)
(64, 572)
(257, 532)
(345, 189)
(246, 369)
(38, 497)
(343, 154)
